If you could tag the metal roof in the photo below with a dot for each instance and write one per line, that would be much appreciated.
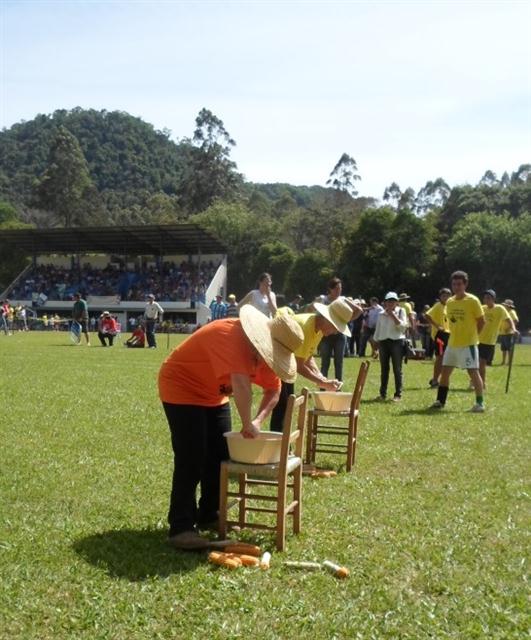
(174, 239)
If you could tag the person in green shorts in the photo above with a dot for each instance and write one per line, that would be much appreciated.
(80, 314)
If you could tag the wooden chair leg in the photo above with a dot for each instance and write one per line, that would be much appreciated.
(281, 515)
(223, 488)
(297, 495)
(313, 438)
(242, 506)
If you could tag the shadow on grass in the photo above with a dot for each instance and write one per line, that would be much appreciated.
(136, 554)
(428, 411)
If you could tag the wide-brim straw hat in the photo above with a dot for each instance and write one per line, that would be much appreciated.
(337, 312)
(275, 340)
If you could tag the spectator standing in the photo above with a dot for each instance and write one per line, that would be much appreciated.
(404, 302)
(233, 310)
(107, 329)
(153, 312)
(355, 326)
(440, 332)
(390, 334)
(263, 297)
(466, 320)
(424, 329)
(332, 345)
(496, 315)
(5, 317)
(218, 309)
(506, 333)
(80, 315)
(369, 327)
(295, 304)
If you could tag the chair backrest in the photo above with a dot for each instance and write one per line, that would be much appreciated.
(358, 389)
(297, 406)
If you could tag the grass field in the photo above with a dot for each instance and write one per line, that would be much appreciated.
(433, 522)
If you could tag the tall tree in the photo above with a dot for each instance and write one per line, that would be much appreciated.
(211, 173)
(344, 175)
(65, 188)
(433, 194)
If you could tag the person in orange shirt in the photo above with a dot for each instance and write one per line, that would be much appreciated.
(221, 359)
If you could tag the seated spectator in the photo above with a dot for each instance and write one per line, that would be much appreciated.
(137, 340)
(107, 329)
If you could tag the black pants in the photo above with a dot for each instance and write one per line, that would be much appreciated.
(391, 350)
(198, 450)
(150, 333)
(102, 337)
(278, 413)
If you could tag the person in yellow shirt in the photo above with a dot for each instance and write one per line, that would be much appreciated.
(440, 332)
(404, 301)
(466, 320)
(325, 321)
(507, 333)
(496, 315)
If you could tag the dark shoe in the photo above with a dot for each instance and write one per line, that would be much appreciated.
(188, 540)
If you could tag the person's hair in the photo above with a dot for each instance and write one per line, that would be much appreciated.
(445, 290)
(263, 276)
(332, 283)
(374, 299)
(460, 275)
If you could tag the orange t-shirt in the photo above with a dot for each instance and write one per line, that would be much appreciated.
(198, 371)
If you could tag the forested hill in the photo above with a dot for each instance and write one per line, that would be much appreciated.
(122, 152)
(135, 173)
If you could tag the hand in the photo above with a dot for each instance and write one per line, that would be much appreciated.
(250, 431)
(330, 385)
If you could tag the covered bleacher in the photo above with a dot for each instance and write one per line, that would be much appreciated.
(116, 267)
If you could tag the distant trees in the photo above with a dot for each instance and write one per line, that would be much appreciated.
(344, 175)
(211, 174)
(65, 188)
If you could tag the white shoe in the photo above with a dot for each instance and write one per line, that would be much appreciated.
(437, 405)
(477, 408)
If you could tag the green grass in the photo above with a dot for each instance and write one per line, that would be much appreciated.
(432, 522)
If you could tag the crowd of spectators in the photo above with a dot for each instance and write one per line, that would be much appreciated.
(168, 281)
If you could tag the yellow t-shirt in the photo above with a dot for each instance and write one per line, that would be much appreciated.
(494, 317)
(408, 309)
(312, 337)
(438, 314)
(462, 318)
(505, 329)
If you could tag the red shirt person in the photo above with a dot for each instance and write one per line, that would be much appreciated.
(107, 329)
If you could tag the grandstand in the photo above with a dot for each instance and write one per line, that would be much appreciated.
(116, 267)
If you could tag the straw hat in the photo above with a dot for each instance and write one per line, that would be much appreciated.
(337, 312)
(275, 340)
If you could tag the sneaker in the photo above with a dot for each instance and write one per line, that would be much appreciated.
(433, 384)
(397, 398)
(437, 405)
(477, 408)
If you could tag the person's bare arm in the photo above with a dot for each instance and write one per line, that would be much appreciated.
(309, 370)
(243, 398)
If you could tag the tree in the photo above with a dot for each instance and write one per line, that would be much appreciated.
(344, 175)
(308, 274)
(276, 258)
(434, 193)
(393, 194)
(65, 188)
(211, 174)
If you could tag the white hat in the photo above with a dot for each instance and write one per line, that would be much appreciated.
(275, 340)
(391, 295)
(337, 312)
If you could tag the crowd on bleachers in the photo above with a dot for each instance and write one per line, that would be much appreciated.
(169, 282)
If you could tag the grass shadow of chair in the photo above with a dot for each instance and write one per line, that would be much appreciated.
(135, 554)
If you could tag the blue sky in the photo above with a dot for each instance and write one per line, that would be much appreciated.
(411, 90)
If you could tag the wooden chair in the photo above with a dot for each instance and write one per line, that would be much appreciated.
(316, 428)
(281, 476)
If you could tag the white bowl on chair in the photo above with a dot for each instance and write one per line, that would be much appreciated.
(332, 400)
(264, 449)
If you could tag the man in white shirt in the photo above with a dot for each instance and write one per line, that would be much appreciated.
(152, 313)
(390, 334)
